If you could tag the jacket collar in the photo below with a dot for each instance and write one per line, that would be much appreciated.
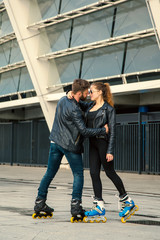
(105, 105)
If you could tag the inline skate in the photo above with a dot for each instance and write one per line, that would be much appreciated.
(128, 208)
(41, 209)
(96, 214)
(77, 211)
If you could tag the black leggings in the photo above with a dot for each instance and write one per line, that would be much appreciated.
(97, 157)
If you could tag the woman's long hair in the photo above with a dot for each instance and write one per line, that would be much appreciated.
(106, 91)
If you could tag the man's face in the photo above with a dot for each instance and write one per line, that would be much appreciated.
(84, 95)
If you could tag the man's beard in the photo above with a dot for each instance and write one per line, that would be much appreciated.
(83, 98)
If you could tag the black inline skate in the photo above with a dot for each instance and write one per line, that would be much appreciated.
(41, 209)
(77, 211)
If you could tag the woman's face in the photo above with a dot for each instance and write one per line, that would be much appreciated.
(94, 93)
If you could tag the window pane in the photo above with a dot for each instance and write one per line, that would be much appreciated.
(68, 68)
(132, 16)
(5, 25)
(25, 80)
(48, 8)
(103, 62)
(58, 36)
(142, 55)
(10, 53)
(85, 28)
(16, 80)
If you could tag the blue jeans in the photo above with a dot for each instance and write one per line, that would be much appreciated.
(75, 161)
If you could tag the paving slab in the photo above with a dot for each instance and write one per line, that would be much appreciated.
(18, 190)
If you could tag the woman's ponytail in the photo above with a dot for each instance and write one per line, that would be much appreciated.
(108, 95)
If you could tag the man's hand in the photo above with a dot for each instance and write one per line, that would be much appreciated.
(109, 157)
(106, 127)
(70, 94)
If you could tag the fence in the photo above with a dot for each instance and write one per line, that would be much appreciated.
(137, 147)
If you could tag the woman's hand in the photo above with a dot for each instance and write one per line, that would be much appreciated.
(109, 157)
(106, 127)
(70, 95)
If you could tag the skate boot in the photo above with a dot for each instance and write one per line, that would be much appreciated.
(128, 208)
(97, 213)
(77, 211)
(41, 209)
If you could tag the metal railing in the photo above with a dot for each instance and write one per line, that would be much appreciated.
(137, 147)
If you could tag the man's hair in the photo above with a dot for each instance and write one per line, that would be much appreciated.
(80, 85)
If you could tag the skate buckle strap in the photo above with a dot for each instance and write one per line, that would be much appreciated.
(98, 210)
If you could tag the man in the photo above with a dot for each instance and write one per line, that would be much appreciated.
(66, 139)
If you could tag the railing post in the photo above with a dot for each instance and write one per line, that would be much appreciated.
(139, 143)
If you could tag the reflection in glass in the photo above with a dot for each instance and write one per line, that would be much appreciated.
(131, 16)
(15, 81)
(10, 53)
(5, 25)
(68, 68)
(58, 36)
(103, 62)
(48, 8)
(93, 27)
(142, 55)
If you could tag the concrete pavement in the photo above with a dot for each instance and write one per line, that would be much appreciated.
(18, 189)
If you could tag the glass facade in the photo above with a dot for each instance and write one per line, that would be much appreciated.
(113, 22)
(11, 81)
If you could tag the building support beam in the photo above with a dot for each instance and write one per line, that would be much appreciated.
(33, 44)
(154, 12)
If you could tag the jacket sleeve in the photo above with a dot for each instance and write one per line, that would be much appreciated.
(112, 130)
(78, 120)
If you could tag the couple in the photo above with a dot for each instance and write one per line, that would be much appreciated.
(74, 120)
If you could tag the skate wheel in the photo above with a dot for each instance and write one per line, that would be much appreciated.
(44, 217)
(105, 220)
(91, 221)
(85, 219)
(72, 219)
(123, 220)
(137, 208)
(129, 217)
(51, 215)
(34, 216)
(39, 217)
(97, 221)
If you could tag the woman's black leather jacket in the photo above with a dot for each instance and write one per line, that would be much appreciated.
(106, 115)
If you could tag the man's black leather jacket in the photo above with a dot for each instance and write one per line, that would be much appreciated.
(106, 115)
(69, 127)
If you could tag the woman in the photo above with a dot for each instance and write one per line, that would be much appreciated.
(98, 113)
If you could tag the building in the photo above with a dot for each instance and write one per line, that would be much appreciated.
(45, 44)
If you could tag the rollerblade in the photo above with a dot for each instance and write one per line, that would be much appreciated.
(96, 214)
(41, 209)
(77, 211)
(128, 208)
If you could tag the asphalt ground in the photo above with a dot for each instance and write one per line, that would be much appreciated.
(18, 190)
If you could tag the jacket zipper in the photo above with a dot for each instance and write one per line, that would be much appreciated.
(77, 139)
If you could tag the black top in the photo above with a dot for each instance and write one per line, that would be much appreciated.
(90, 117)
